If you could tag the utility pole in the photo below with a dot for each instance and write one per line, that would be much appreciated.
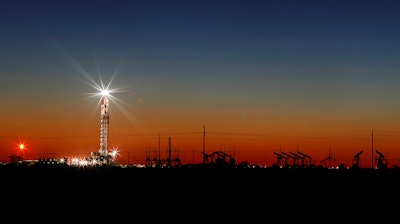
(169, 152)
(204, 144)
(372, 156)
(159, 150)
(193, 155)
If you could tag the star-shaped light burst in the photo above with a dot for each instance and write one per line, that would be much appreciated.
(104, 90)
(114, 153)
(22, 146)
(100, 88)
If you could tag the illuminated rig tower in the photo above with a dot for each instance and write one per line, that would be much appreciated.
(104, 125)
(102, 157)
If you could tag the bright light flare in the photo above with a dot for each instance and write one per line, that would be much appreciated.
(22, 148)
(21, 145)
(105, 92)
(114, 152)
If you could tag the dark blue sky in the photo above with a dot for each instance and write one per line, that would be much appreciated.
(251, 33)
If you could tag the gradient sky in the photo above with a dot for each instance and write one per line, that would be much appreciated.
(261, 76)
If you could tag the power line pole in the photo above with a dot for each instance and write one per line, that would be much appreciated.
(204, 144)
(372, 156)
(193, 155)
(159, 150)
(169, 152)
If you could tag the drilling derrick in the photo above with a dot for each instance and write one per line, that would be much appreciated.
(104, 127)
(102, 157)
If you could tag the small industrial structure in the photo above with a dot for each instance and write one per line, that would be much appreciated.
(157, 162)
(327, 162)
(281, 160)
(298, 160)
(381, 162)
(218, 159)
(356, 160)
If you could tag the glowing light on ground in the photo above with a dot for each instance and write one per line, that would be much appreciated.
(114, 153)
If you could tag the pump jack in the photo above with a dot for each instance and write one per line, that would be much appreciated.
(279, 158)
(356, 160)
(294, 158)
(381, 162)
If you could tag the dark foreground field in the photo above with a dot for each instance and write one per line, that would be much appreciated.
(224, 194)
(227, 178)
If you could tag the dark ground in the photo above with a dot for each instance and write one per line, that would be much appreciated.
(172, 179)
(207, 193)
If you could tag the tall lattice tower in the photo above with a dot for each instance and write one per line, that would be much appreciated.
(102, 157)
(105, 119)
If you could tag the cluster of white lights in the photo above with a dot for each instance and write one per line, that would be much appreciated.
(84, 161)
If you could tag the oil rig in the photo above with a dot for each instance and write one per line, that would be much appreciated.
(102, 156)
